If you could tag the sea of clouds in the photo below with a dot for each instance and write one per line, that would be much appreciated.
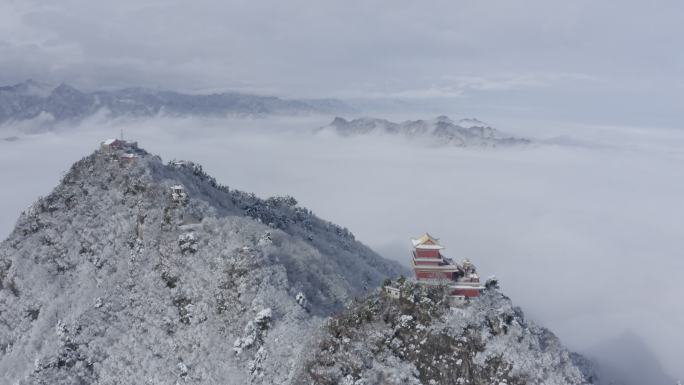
(584, 228)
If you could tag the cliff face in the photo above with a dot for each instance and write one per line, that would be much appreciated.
(418, 339)
(114, 278)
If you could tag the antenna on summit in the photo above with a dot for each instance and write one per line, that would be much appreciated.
(122, 134)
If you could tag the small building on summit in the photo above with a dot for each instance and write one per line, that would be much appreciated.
(112, 144)
(433, 268)
(393, 292)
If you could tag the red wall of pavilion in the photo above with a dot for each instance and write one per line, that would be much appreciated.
(422, 274)
(423, 253)
(467, 292)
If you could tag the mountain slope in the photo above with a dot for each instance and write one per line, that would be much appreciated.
(440, 131)
(115, 278)
(33, 100)
(418, 339)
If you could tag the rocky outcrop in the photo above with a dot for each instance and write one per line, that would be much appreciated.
(419, 339)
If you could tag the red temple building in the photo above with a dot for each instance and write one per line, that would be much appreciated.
(432, 268)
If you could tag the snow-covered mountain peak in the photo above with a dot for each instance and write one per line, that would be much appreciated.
(134, 270)
(472, 122)
(31, 87)
(444, 119)
(64, 89)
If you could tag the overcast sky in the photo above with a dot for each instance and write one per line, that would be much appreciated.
(593, 61)
(596, 65)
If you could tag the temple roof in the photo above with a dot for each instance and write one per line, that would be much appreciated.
(426, 241)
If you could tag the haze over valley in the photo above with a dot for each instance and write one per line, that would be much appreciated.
(526, 214)
(214, 190)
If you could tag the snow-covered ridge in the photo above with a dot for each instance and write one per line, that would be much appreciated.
(136, 271)
(31, 100)
(440, 131)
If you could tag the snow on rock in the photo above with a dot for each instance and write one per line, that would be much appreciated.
(263, 318)
(182, 369)
(254, 331)
(255, 365)
(188, 242)
(487, 342)
(472, 122)
(265, 240)
(178, 195)
(301, 300)
(405, 321)
(96, 285)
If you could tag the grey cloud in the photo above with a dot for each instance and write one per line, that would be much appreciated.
(308, 48)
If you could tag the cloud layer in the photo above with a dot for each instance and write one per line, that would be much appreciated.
(586, 237)
(588, 59)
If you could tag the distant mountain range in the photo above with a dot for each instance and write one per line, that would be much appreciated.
(441, 131)
(34, 100)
